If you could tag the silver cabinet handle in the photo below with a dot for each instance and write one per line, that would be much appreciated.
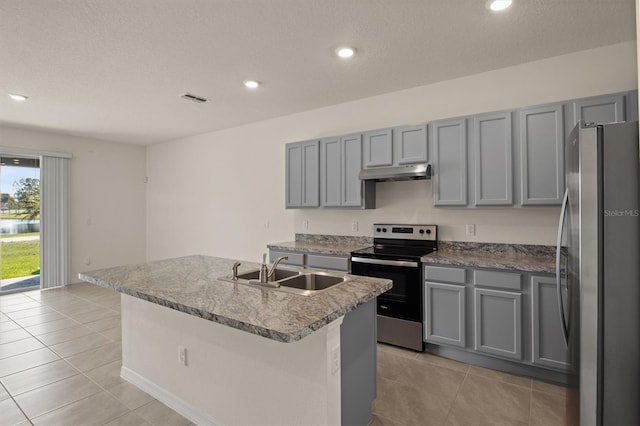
(563, 319)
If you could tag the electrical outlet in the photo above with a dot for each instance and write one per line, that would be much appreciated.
(266, 224)
(87, 261)
(305, 224)
(182, 355)
(471, 230)
(354, 226)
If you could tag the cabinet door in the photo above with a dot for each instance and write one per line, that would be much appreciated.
(549, 348)
(311, 174)
(378, 148)
(293, 258)
(294, 175)
(449, 145)
(411, 144)
(351, 165)
(498, 323)
(444, 319)
(600, 109)
(493, 164)
(330, 172)
(542, 155)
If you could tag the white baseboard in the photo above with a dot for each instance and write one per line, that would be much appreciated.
(178, 405)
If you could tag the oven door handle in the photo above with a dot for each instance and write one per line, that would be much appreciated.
(403, 263)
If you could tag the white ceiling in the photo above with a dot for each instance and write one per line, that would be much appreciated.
(115, 69)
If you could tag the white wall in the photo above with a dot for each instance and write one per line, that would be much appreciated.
(222, 193)
(107, 196)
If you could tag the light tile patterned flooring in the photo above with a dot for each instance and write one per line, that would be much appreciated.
(60, 358)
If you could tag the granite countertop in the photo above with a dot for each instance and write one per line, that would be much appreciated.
(510, 257)
(191, 285)
(336, 245)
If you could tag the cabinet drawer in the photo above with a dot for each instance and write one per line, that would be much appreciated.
(336, 263)
(506, 280)
(441, 273)
(293, 258)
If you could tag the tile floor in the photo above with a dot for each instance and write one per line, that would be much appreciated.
(60, 359)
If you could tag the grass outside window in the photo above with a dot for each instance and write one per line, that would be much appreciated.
(20, 258)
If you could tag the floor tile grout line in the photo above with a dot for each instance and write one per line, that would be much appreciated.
(65, 405)
(16, 403)
(502, 381)
(464, 380)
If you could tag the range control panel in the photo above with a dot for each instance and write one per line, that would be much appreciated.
(405, 232)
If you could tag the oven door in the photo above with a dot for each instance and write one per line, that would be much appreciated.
(404, 299)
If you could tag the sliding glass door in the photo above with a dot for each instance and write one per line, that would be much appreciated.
(19, 223)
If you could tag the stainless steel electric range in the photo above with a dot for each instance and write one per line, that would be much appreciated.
(395, 255)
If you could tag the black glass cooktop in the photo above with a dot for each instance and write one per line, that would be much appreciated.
(393, 252)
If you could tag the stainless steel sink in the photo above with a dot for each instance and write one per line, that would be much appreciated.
(289, 281)
(279, 274)
(313, 281)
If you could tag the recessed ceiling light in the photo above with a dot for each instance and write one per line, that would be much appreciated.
(251, 84)
(498, 5)
(345, 52)
(17, 97)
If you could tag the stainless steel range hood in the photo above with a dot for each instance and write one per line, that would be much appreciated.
(386, 174)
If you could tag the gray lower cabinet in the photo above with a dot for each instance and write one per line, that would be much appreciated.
(312, 260)
(493, 167)
(549, 348)
(302, 172)
(498, 322)
(378, 148)
(449, 162)
(293, 258)
(500, 317)
(541, 155)
(411, 144)
(445, 314)
(599, 109)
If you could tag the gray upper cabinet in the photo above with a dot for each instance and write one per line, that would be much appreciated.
(444, 314)
(493, 159)
(378, 148)
(351, 186)
(600, 109)
(449, 161)
(302, 172)
(411, 144)
(498, 323)
(541, 155)
(330, 172)
(549, 348)
(340, 165)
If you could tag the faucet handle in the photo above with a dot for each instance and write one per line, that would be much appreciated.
(264, 258)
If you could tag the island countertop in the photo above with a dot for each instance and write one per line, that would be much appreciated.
(191, 284)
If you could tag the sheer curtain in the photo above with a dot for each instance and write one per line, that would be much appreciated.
(54, 221)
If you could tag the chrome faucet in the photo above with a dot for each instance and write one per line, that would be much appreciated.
(235, 271)
(266, 274)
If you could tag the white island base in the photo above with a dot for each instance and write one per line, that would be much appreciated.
(233, 377)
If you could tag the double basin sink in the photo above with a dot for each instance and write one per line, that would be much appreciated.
(304, 283)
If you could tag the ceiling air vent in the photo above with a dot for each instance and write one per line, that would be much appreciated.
(194, 98)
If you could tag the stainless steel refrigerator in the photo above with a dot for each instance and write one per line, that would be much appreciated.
(598, 273)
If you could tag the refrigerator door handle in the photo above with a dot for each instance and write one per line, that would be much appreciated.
(563, 214)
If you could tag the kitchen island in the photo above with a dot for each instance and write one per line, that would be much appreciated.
(220, 352)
